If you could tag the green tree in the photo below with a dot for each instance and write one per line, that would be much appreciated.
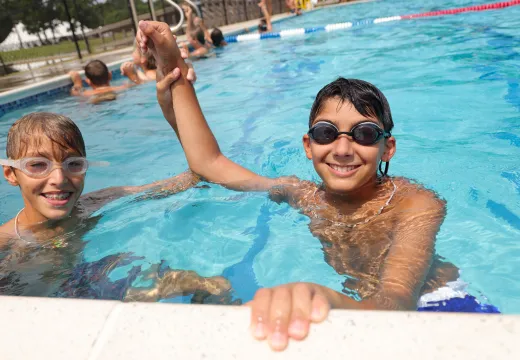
(9, 16)
(117, 10)
(6, 25)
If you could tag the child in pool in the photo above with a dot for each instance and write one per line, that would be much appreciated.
(42, 245)
(378, 230)
(98, 77)
(142, 68)
(265, 24)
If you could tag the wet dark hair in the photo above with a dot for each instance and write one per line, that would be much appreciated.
(368, 100)
(262, 27)
(150, 61)
(217, 37)
(97, 72)
(31, 130)
(200, 37)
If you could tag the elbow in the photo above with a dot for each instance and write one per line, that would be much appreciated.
(209, 168)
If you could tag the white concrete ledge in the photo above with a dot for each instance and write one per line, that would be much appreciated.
(42, 328)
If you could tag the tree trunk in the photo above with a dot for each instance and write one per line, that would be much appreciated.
(18, 35)
(54, 34)
(85, 38)
(39, 37)
(46, 38)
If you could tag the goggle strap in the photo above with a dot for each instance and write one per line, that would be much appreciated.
(7, 162)
(99, 163)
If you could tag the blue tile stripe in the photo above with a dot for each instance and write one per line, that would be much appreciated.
(34, 99)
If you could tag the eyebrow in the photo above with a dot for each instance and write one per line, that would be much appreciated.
(357, 122)
(38, 154)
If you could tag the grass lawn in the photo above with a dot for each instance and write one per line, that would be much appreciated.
(65, 47)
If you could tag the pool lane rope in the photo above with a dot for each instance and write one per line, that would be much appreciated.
(347, 25)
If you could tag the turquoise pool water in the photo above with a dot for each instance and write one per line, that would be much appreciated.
(454, 88)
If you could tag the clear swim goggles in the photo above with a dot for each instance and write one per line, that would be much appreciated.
(40, 167)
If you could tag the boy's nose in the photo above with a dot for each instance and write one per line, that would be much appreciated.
(57, 176)
(343, 146)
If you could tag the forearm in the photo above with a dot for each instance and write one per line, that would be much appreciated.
(190, 26)
(200, 146)
(76, 80)
(133, 77)
(169, 115)
(163, 188)
(77, 84)
(229, 174)
(205, 30)
(379, 301)
(168, 186)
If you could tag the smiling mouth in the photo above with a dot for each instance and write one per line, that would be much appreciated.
(343, 169)
(59, 196)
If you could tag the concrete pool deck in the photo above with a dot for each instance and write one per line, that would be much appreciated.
(65, 329)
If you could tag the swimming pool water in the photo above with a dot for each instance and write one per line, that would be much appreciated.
(454, 89)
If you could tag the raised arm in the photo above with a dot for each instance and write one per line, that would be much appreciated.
(200, 146)
(203, 27)
(128, 69)
(190, 26)
(77, 86)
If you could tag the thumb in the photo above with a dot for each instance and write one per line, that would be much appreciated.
(168, 80)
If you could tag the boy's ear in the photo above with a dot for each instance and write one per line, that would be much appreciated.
(390, 147)
(109, 75)
(307, 146)
(87, 80)
(10, 176)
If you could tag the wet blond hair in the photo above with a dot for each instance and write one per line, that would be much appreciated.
(33, 129)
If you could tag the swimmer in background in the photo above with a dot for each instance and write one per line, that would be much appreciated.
(201, 48)
(293, 7)
(217, 38)
(194, 24)
(98, 77)
(265, 24)
(377, 230)
(143, 65)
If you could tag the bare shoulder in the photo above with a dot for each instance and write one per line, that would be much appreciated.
(414, 196)
(7, 233)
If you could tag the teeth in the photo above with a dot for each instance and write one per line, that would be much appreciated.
(343, 169)
(60, 196)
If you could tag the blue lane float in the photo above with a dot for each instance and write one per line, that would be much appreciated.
(346, 25)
